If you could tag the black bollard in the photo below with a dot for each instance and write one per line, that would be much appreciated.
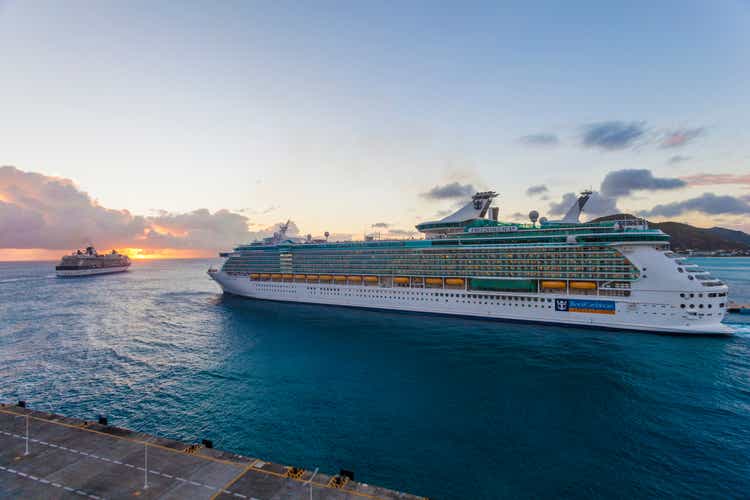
(103, 420)
(208, 443)
(22, 403)
(347, 473)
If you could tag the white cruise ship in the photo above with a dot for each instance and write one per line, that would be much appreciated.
(88, 262)
(613, 274)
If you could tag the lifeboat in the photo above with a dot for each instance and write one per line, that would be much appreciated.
(355, 279)
(371, 279)
(254, 276)
(288, 276)
(435, 281)
(299, 276)
(312, 277)
(553, 284)
(583, 285)
(276, 276)
(325, 277)
(417, 280)
(401, 280)
(339, 278)
(454, 281)
(265, 276)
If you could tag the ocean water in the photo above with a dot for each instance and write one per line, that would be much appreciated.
(437, 406)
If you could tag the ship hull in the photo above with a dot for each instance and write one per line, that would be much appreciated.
(72, 273)
(620, 313)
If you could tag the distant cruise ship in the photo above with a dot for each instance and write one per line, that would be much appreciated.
(88, 262)
(613, 274)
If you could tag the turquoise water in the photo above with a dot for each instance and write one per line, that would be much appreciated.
(443, 407)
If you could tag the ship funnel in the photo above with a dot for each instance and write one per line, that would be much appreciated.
(574, 212)
(494, 212)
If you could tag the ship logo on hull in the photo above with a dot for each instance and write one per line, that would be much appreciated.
(585, 306)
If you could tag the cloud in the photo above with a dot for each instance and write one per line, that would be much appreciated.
(381, 224)
(48, 212)
(540, 139)
(677, 159)
(39, 211)
(449, 191)
(623, 182)
(201, 229)
(680, 137)
(707, 203)
(537, 190)
(597, 206)
(612, 135)
(715, 179)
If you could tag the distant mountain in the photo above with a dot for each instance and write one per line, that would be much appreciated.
(732, 235)
(685, 236)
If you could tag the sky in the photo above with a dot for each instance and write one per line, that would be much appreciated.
(183, 128)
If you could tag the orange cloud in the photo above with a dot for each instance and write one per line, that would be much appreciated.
(680, 137)
(40, 213)
(166, 253)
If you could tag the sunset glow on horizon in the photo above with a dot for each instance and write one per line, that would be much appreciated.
(42, 254)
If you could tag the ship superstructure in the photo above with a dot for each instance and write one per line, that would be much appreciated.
(615, 274)
(89, 262)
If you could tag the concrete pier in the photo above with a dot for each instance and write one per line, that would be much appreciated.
(61, 457)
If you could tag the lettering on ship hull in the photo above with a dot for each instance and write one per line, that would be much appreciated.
(585, 306)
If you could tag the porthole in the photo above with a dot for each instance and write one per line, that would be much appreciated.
(692, 306)
(682, 295)
(682, 306)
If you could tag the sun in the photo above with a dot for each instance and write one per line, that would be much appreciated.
(136, 253)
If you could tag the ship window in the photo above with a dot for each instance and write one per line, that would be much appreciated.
(682, 295)
(682, 306)
(692, 295)
(692, 306)
(700, 306)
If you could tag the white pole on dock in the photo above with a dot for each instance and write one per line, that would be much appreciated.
(27, 435)
(145, 467)
(310, 481)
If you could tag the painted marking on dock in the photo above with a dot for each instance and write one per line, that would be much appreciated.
(122, 438)
(91, 455)
(226, 487)
(44, 481)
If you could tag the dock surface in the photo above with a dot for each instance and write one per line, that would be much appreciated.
(73, 458)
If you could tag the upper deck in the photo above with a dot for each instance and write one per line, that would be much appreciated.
(476, 224)
(484, 233)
